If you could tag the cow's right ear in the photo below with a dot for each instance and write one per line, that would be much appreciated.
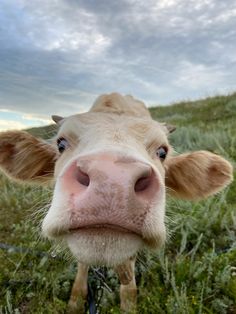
(26, 158)
(197, 175)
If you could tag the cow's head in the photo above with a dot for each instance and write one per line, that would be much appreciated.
(111, 168)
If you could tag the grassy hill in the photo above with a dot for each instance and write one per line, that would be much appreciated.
(195, 273)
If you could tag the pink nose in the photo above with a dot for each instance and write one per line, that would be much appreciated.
(132, 174)
(106, 189)
(140, 177)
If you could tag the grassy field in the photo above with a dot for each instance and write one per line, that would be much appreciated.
(194, 273)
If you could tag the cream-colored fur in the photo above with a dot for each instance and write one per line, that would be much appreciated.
(121, 126)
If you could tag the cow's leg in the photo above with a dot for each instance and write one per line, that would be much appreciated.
(79, 290)
(128, 288)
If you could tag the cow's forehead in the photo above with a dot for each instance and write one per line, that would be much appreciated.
(105, 122)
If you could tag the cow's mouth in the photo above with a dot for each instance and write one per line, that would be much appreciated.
(103, 244)
(102, 228)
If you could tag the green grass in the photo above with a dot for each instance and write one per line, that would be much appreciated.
(194, 273)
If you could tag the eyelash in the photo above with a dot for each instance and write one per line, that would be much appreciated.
(62, 144)
(162, 152)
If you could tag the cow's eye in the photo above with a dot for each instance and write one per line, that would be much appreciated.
(62, 144)
(162, 152)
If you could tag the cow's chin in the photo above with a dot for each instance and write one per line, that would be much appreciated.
(107, 248)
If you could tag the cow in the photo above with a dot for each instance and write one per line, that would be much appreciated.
(111, 168)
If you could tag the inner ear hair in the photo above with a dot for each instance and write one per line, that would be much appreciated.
(24, 157)
(197, 175)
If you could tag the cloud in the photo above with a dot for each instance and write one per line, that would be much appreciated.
(198, 76)
(57, 56)
(66, 35)
(37, 118)
(11, 125)
(12, 120)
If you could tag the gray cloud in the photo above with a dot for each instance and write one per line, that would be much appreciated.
(57, 56)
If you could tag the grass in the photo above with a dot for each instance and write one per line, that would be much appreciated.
(194, 273)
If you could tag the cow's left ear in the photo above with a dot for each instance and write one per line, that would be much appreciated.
(169, 128)
(26, 158)
(197, 175)
(57, 119)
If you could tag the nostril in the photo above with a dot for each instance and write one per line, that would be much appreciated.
(143, 182)
(82, 177)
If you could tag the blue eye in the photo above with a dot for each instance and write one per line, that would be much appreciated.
(162, 152)
(62, 144)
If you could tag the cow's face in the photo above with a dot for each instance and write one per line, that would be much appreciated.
(109, 198)
(110, 168)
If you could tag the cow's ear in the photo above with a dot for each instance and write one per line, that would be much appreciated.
(197, 175)
(57, 119)
(26, 158)
(168, 128)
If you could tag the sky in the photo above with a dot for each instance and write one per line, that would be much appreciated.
(57, 56)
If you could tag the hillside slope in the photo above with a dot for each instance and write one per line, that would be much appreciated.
(195, 273)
